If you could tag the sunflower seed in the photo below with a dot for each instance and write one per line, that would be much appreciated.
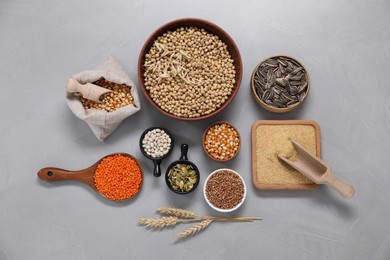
(269, 102)
(269, 73)
(281, 89)
(282, 69)
(272, 62)
(272, 93)
(295, 71)
(266, 95)
(278, 73)
(295, 83)
(296, 77)
(280, 82)
(279, 103)
(294, 90)
(258, 73)
(290, 65)
(292, 102)
(287, 97)
(282, 62)
(301, 97)
(302, 88)
(288, 87)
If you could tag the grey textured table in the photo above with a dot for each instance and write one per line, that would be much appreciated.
(344, 44)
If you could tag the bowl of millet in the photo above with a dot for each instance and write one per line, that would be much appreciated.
(189, 69)
(221, 141)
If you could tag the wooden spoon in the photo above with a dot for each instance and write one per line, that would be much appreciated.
(318, 171)
(86, 175)
(89, 91)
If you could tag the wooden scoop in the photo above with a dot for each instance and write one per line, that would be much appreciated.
(86, 176)
(318, 171)
(89, 90)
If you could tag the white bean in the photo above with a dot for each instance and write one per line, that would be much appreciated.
(156, 143)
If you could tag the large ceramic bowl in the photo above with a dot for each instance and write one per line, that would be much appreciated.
(210, 28)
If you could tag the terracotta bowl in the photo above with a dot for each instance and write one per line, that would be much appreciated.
(273, 108)
(209, 27)
(204, 140)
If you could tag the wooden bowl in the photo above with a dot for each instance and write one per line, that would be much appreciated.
(273, 108)
(204, 141)
(209, 27)
(269, 172)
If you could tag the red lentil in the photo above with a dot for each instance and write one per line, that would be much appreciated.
(118, 177)
(222, 142)
(225, 189)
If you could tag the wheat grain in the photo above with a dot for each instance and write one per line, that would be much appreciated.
(181, 213)
(195, 229)
(159, 222)
(176, 216)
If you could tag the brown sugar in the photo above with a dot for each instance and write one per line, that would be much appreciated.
(273, 140)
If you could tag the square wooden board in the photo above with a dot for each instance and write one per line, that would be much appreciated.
(263, 185)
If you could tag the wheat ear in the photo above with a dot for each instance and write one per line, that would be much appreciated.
(159, 222)
(180, 213)
(195, 229)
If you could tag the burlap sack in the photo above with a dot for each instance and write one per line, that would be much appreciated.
(101, 122)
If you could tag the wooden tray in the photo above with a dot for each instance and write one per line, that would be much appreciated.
(300, 182)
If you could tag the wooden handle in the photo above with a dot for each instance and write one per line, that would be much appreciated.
(56, 174)
(73, 86)
(346, 190)
(88, 90)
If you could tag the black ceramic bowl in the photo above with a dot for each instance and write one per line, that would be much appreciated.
(183, 160)
(156, 161)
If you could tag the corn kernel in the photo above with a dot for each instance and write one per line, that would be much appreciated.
(110, 101)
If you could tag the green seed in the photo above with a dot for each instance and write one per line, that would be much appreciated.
(182, 177)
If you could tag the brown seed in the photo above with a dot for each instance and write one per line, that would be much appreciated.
(225, 189)
(266, 95)
(295, 71)
(282, 62)
(301, 97)
(281, 81)
(302, 88)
